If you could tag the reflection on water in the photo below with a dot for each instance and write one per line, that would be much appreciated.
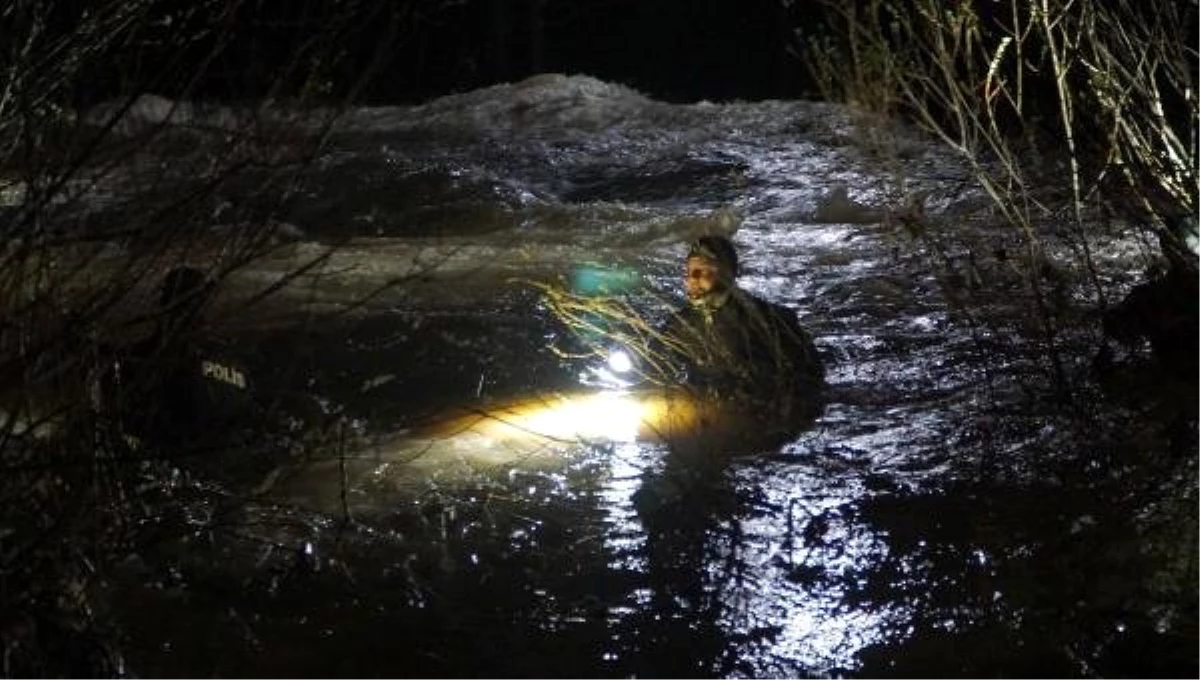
(695, 574)
(641, 533)
(945, 514)
(907, 530)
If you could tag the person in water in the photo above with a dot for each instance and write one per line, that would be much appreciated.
(184, 395)
(732, 345)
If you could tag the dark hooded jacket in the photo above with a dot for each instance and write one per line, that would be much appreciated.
(746, 349)
(179, 391)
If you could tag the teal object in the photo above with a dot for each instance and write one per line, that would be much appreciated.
(593, 280)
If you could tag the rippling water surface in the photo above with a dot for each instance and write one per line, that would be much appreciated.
(947, 514)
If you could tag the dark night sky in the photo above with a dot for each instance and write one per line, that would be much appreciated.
(676, 50)
(672, 49)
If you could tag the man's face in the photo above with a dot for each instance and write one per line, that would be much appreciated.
(701, 277)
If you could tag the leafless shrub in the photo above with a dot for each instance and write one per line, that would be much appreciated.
(1065, 112)
(96, 204)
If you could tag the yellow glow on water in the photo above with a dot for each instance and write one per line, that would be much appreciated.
(604, 416)
(531, 433)
(539, 431)
(619, 417)
(608, 416)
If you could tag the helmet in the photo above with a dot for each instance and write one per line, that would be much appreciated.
(720, 250)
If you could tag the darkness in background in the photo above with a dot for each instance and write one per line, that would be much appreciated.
(405, 51)
(677, 50)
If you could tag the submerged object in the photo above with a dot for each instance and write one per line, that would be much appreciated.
(683, 421)
(589, 417)
(537, 433)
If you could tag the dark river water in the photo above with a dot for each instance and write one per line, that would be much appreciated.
(969, 503)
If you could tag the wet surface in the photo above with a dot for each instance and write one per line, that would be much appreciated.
(949, 512)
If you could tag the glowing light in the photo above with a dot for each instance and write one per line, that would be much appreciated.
(605, 416)
(539, 428)
(620, 362)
